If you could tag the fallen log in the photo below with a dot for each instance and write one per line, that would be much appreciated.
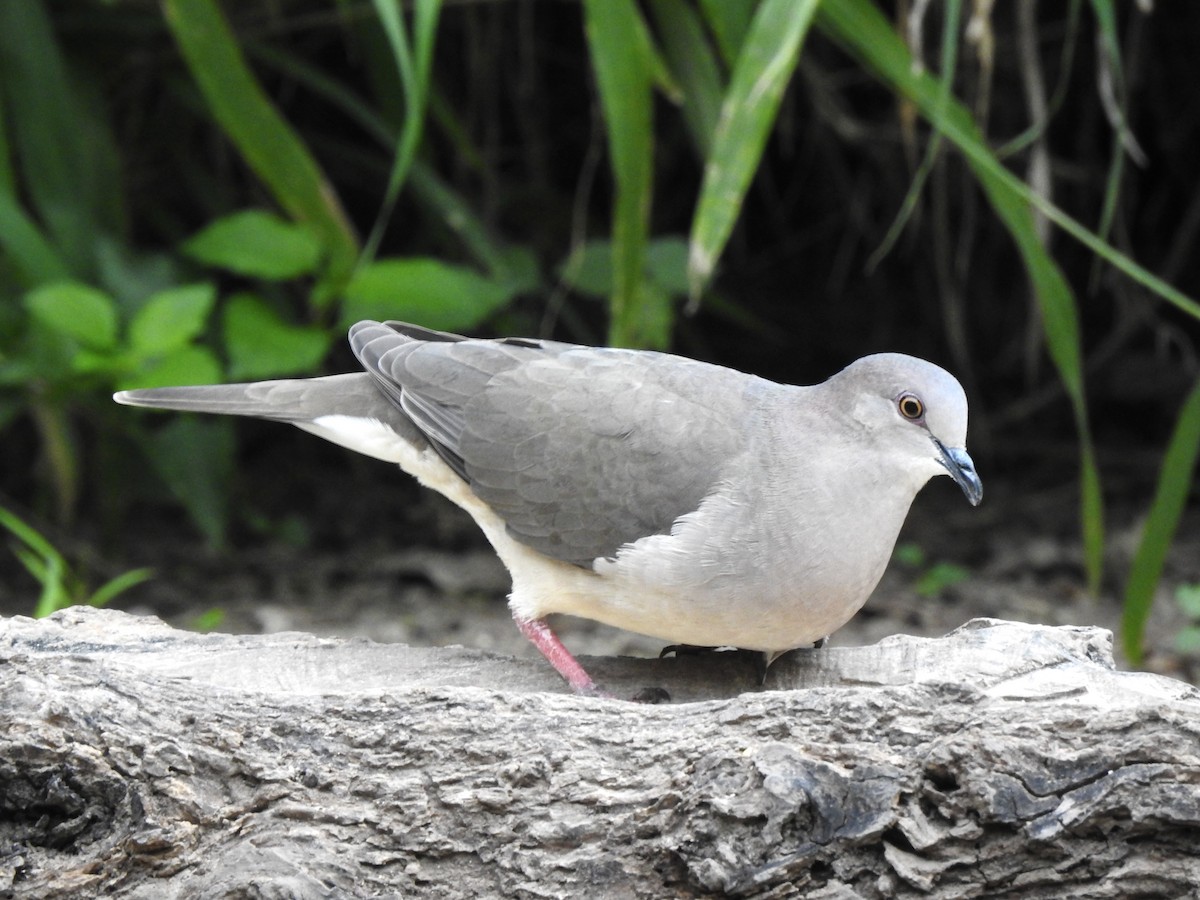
(137, 761)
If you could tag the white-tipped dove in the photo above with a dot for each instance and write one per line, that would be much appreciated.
(666, 496)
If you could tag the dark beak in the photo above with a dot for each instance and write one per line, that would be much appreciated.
(956, 461)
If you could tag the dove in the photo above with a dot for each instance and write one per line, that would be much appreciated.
(655, 493)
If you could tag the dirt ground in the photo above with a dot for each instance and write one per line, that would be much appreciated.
(388, 561)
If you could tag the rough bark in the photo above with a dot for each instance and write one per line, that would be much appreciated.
(1001, 760)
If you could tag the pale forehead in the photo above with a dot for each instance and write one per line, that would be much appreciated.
(890, 374)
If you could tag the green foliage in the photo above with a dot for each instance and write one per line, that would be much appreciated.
(75, 311)
(1187, 598)
(591, 270)
(765, 61)
(56, 155)
(256, 244)
(61, 585)
(624, 67)
(1174, 485)
(71, 342)
(209, 620)
(194, 458)
(261, 344)
(413, 63)
(267, 142)
(438, 295)
(932, 579)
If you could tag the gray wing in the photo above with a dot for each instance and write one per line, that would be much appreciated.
(579, 450)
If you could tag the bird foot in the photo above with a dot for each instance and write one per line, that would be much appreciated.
(540, 635)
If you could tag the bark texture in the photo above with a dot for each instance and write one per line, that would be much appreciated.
(1004, 759)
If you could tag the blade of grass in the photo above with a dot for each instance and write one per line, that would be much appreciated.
(694, 66)
(55, 595)
(42, 561)
(621, 59)
(760, 75)
(118, 585)
(862, 28)
(949, 64)
(413, 64)
(60, 451)
(1170, 496)
(36, 258)
(454, 210)
(1065, 61)
(30, 536)
(65, 157)
(314, 78)
(449, 205)
(1111, 79)
(729, 21)
(270, 146)
(1111, 83)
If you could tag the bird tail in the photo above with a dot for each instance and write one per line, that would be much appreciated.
(285, 400)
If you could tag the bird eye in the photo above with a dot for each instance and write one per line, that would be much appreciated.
(910, 406)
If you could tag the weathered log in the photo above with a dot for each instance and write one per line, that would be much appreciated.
(1004, 759)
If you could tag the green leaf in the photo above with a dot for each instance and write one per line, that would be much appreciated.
(209, 620)
(909, 554)
(123, 582)
(257, 244)
(518, 270)
(666, 264)
(413, 64)
(695, 67)
(187, 365)
(262, 345)
(68, 163)
(762, 71)
(55, 593)
(426, 291)
(33, 538)
(1188, 641)
(260, 133)
(171, 318)
(623, 60)
(654, 316)
(1170, 496)
(36, 258)
(729, 21)
(1188, 598)
(589, 268)
(42, 561)
(77, 310)
(939, 577)
(194, 457)
(107, 362)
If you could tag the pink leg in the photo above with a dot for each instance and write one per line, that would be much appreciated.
(560, 657)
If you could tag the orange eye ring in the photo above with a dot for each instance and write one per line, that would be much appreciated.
(910, 406)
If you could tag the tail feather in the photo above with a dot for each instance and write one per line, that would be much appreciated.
(286, 400)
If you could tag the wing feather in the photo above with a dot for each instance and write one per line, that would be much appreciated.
(579, 450)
